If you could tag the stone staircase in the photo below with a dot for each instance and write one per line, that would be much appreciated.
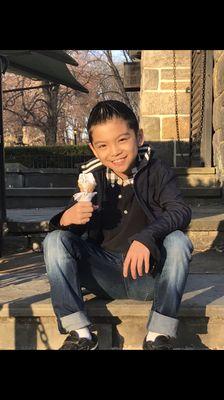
(27, 320)
(199, 182)
(194, 182)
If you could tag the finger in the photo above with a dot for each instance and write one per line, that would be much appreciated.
(85, 203)
(84, 220)
(126, 266)
(147, 265)
(87, 214)
(139, 265)
(133, 268)
(86, 210)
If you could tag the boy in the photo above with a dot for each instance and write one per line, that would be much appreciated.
(135, 247)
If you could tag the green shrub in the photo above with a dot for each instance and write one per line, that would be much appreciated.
(48, 156)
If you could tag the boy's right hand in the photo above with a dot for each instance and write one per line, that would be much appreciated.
(79, 214)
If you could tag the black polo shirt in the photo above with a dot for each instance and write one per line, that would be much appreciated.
(122, 217)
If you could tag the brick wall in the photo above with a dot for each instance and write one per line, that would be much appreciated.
(218, 112)
(157, 111)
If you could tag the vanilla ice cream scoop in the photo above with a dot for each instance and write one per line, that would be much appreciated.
(86, 182)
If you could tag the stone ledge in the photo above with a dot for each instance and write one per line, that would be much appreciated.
(194, 170)
(204, 296)
(116, 308)
(204, 218)
(40, 192)
(207, 225)
(205, 192)
(27, 320)
(199, 224)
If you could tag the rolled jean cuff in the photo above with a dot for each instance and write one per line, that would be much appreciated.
(74, 321)
(160, 323)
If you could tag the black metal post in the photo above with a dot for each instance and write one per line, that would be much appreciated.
(3, 64)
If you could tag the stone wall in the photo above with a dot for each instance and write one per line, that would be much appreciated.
(157, 112)
(218, 112)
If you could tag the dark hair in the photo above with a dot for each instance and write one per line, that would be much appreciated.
(108, 109)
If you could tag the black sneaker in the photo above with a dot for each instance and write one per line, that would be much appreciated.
(73, 342)
(160, 343)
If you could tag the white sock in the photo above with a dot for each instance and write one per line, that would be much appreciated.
(153, 335)
(84, 333)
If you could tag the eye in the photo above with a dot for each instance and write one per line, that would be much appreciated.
(101, 146)
(123, 139)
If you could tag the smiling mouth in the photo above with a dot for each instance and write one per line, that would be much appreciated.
(119, 161)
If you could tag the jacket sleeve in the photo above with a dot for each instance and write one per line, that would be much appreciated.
(176, 214)
(54, 222)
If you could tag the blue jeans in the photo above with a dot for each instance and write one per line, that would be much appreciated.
(73, 262)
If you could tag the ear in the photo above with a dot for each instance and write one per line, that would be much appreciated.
(93, 150)
(141, 138)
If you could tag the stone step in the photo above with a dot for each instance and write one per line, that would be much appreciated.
(56, 177)
(27, 320)
(59, 197)
(205, 230)
(198, 202)
(201, 182)
(38, 197)
(201, 192)
(198, 181)
(193, 181)
(194, 170)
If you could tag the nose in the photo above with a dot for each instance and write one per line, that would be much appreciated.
(115, 150)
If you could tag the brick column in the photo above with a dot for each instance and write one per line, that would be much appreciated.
(157, 111)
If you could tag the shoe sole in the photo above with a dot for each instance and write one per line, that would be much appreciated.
(96, 347)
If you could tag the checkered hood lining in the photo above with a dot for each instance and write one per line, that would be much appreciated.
(143, 154)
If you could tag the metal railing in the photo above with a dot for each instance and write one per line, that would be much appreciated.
(54, 161)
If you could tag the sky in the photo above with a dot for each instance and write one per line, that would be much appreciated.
(118, 55)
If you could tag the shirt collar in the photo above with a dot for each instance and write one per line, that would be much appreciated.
(142, 157)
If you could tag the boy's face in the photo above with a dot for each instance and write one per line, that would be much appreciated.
(116, 145)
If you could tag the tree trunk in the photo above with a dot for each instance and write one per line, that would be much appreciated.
(51, 97)
(50, 136)
(117, 77)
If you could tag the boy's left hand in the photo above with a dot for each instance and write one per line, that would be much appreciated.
(137, 255)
